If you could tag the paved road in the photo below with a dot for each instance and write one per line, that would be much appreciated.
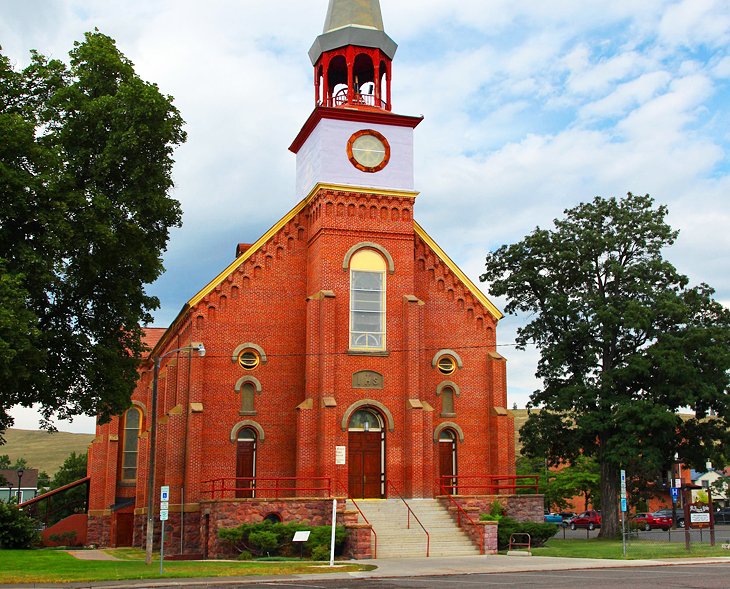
(667, 577)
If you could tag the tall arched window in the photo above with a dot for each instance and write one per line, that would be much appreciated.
(367, 301)
(130, 443)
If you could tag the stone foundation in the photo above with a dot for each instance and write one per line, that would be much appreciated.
(524, 508)
(228, 513)
(174, 546)
(99, 529)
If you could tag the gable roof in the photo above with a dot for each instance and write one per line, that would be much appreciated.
(211, 286)
(481, 297)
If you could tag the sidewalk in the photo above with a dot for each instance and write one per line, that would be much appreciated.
(393, 568)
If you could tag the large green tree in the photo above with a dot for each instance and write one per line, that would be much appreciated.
(85, 213)
(624, 343)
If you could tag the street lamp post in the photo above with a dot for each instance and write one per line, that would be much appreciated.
(10, 492)
(21, 472)
(200, 349)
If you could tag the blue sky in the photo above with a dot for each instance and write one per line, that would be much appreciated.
(530, 108)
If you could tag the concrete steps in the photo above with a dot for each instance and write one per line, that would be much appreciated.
(389, 518)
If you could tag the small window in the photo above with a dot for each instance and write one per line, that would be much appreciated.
(272, 518)
(447, 402)
(249, 359)
(446, 365)
(247, 399)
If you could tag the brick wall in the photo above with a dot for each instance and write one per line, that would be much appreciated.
(290, 296)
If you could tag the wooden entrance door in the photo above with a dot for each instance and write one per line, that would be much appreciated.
(365, 471)
(447, 461)
(125, 529)
(245, 463)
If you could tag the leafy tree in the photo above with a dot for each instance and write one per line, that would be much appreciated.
(17, 529)
(85, 171)
(4, 461)
(721, 487)
(72, 500)
(624, 343)
(578, 479)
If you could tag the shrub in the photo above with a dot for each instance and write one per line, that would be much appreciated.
(17, 529)
(264, 540)
(245, 555)
(275, 539)
(539, 532)
(320, 552)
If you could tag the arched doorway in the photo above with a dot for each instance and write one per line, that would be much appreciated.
(246, 463)
(447, 460)
(366, 456)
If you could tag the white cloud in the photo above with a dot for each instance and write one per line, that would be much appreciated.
(530, 108)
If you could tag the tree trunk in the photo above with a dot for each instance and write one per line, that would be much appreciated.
(610, 519)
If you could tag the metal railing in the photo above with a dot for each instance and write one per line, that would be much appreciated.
(489, 484)
(268, 487)
(459, 511)
(358, 99)
(372, 530)
(410, 512)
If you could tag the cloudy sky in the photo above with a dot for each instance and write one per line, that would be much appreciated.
(530, 108)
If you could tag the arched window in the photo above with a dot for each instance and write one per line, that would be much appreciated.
(130, 443)
(367, 301)
(247, 399)
(447, 402)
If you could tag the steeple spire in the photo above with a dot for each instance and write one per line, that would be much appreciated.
(358, 13)
(353, 22)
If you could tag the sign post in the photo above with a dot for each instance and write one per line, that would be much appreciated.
(623, 509)
(164, 512)
(334, 526)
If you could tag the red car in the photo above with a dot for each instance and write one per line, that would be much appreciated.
(651, 521)
(588, 519)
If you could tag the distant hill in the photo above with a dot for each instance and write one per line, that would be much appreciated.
(43, 450)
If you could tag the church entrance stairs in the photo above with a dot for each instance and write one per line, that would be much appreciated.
(389, 518)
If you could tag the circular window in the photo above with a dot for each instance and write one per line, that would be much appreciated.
(249, 359)
(446, 365)
(368, 150)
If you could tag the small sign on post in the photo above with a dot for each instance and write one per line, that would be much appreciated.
(301, 536)
(675, 494)
(164, 514)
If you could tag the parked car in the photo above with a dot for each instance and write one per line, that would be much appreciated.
(722, 516)
(567, 517)
(553, 518)
(668, 513)
(588, 519)
(651, 521)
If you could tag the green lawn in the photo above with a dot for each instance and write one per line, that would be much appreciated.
(635, 549)
(56, 566)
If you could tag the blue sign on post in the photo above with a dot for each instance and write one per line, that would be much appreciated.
(675, 494)
(623, 504)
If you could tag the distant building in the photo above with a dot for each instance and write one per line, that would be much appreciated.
(9, 484)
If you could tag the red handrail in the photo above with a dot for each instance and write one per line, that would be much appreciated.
(459, 511)
(491, 483)
(218, 487)
(372, 530)
(410, 511)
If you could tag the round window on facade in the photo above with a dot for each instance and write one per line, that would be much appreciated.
(249, 359)
(446, 365)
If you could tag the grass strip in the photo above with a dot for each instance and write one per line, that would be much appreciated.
(635, 550)
(56, 566)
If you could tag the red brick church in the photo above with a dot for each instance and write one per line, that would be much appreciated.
(346, 353)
